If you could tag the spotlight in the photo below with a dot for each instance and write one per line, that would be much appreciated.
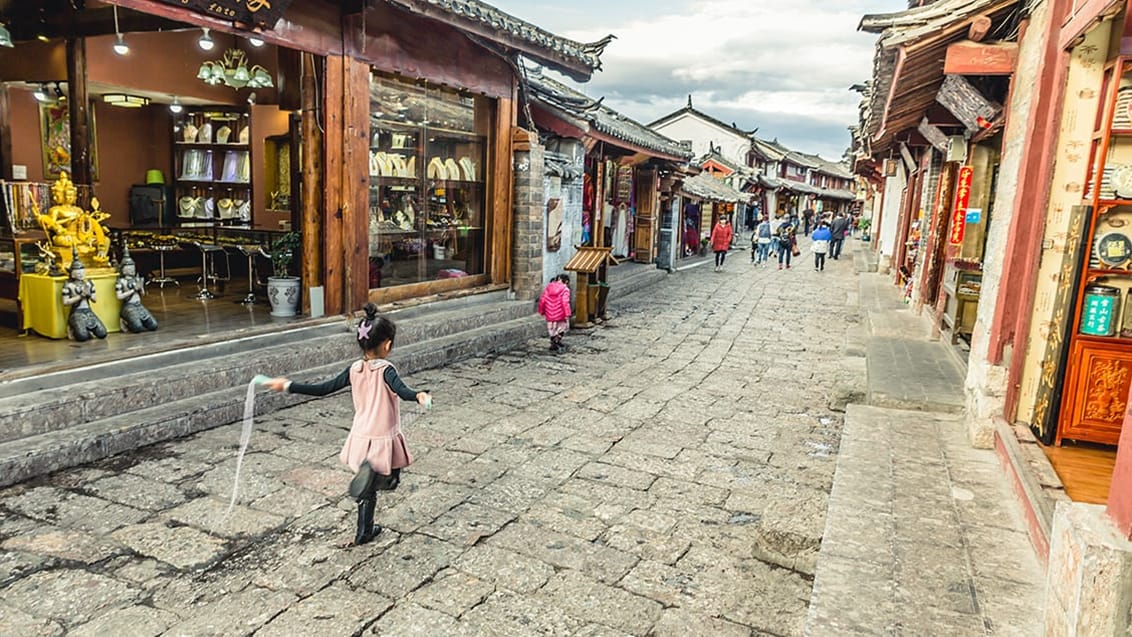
(120, 47)
(205, 42)
(255, 41)
(5, 37)
(41, 94)
(176, 107)
(251, 98)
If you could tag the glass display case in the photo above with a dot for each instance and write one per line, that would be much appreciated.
(212, 184)
(427, 158)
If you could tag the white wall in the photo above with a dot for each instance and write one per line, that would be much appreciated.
(571, 194)
(893, 199)
(703, 134)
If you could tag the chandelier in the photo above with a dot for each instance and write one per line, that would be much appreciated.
(232, 70)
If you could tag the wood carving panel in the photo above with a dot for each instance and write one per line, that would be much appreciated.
(1100, 374)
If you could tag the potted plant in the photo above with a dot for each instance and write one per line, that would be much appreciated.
(282, 288)
(863, 225)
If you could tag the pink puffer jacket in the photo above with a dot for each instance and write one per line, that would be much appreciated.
(554, 303)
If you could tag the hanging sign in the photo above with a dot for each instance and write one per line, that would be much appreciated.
(263, 13)
(962, 198)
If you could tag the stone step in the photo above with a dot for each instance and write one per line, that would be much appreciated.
(174, 417)
(38, 405)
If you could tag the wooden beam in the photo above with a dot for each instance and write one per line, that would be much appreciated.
(313, 153)
(355, 182)
(333, 106)
(968, 105)
(980, 27)
(973, 58)
(933, 134)
(79, 106)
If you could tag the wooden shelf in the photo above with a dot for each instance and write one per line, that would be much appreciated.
(1088, 338)
(228, 146)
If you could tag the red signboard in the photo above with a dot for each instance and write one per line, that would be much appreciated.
(962, 198)
(264, 13)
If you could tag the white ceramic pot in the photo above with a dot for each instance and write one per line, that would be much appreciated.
(283, 293)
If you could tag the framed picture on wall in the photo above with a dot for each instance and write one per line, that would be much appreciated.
(55, 133)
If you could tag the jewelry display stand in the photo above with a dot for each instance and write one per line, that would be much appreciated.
(212, 165)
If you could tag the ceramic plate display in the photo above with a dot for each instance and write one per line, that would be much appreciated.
(1114, 249)
(1122, 181)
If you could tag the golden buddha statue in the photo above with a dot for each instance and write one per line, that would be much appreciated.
(72, 230)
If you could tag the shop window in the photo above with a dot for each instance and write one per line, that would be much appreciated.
(428, 185)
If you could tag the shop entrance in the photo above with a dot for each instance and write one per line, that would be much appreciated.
(194, 174)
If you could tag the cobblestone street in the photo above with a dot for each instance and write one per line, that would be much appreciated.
(668, 475)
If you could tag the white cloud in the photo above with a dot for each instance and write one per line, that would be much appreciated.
(784, 66)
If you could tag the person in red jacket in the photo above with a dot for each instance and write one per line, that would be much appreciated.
(554, 305)
(721, 241)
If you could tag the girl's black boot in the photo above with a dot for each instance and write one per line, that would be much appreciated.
(366, 528)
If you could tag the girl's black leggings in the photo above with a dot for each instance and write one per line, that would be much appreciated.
(720, 255)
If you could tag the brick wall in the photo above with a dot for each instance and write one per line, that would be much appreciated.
(529, 232)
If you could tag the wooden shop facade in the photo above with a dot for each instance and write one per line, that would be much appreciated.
(369, 141)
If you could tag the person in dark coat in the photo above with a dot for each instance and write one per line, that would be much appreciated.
(838, 229)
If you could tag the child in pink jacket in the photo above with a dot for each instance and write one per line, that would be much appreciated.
(554, 305)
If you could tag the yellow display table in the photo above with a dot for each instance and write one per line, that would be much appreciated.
(41, 298)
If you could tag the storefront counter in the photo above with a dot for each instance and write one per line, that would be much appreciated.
(41, 301)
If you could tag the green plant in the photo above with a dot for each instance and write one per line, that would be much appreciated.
(282, 252)
(863, 224)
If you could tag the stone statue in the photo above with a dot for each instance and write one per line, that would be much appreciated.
(78, 293)
(72, 230)
(129, 289)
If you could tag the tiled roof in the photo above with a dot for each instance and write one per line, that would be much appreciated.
(704, 116)
(705, 186)
(577, 59)
(578, 108)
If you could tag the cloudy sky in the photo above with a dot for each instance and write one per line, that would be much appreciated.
(784, 66)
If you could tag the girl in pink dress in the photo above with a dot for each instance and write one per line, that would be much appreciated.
(375, 448)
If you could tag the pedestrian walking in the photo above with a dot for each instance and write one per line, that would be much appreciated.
(786, 244)
(839, 227)
(375, 447)
(807, 219)
(760, 242)
(554, 306)
(820, 245)
(721, 236)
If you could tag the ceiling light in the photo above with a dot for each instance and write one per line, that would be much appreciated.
(59, 95)
(42, 38)
(176, 107)
(124, 100)
(205, 42)
(41, 94)
(232, 70)
(120, 47)
(5, 37)
(255, 41)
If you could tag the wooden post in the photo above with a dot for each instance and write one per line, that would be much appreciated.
(333, 106)
(312, 152)
(501, 186)
(5, 134)
(79, 104)
(355, 184)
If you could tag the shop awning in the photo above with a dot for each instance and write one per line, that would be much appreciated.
(704, 186)
(576, 59)
(588, 259)
(909, 60)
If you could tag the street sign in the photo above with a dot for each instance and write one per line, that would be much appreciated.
(263, 13)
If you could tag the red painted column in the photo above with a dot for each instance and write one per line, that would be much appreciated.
(1120, 491)
(1015, 302)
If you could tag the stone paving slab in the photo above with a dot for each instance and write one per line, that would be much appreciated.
(667, 475)
(914, 544)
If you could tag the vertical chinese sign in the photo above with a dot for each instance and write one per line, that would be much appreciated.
(962, 198)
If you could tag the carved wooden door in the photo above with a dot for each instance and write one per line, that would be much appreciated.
(1098, 392)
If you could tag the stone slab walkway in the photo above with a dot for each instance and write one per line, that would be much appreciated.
(668, 475)
(922, 536)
